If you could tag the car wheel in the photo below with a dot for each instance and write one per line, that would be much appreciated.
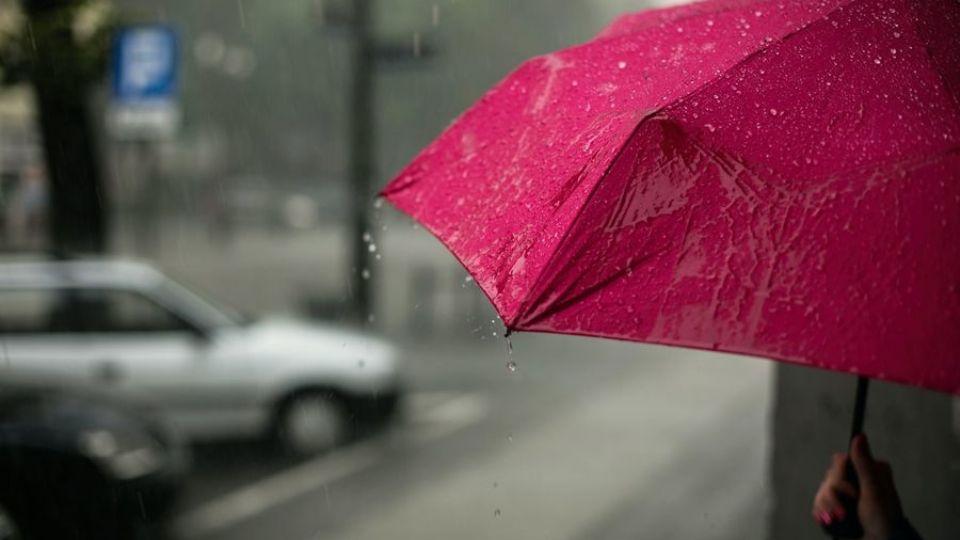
(311, 422)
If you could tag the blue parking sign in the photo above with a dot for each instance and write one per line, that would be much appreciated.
(145, 64)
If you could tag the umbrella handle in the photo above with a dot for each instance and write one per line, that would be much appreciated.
(851, 527)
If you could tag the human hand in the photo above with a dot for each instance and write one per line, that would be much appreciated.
(877, 502)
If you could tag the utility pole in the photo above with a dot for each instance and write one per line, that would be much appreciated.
(363, 51)
(367, 52)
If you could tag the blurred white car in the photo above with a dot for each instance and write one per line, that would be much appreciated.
(209, 372)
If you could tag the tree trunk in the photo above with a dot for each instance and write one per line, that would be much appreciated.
(78, 204)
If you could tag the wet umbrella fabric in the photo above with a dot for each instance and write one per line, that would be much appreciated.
(779, 179)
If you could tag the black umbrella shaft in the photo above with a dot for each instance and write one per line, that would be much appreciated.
(859, 407)
(851, 527)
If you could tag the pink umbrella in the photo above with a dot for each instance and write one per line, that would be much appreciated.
(780, 179)
(774, 178)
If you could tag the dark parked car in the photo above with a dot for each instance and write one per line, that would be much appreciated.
(75, 465)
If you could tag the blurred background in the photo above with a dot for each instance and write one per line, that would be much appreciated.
(320, 367)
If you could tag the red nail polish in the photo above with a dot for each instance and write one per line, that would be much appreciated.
(825, 518)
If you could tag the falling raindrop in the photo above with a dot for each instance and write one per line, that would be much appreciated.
(365, 274)
(496, 512)
(512, 367)
(378, 203)
(509, 438)
(367, 237)
(372, 248)
(436, 15)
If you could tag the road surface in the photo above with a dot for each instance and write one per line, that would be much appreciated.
(587, 439)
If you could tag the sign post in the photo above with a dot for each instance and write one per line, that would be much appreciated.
(144, 83)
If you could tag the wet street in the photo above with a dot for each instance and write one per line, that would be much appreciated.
(586, 439)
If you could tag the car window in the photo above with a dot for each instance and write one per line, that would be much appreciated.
(134, 312)
(26, 311)
(83, 311)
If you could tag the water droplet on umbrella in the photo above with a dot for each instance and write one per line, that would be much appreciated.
(710, 127)
(622, 65)
(876, 60)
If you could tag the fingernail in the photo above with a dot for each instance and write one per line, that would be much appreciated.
(825, 518)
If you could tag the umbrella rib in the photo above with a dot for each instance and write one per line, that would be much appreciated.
(529, 299)
(589, 291)
(703, 87)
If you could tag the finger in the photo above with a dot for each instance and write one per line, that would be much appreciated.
(827, 510)
(826, 501)
(863, 461)
(837, 467)
(845, 488)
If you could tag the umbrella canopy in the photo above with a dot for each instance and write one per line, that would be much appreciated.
(780, 179)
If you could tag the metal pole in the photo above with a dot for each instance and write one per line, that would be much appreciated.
(361, 157)
(859, 407)
(851, 526)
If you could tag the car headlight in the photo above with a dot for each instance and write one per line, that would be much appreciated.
(127, 456)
